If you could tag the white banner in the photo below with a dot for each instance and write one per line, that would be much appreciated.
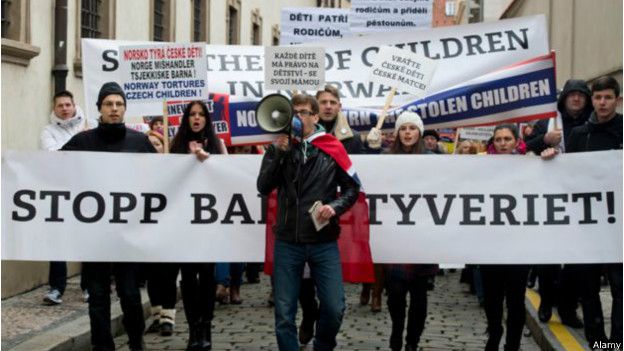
(473, 209)
(304, 24)
(294, 68)
(403, 70)
(389, 15)
(159, 72)
(464, 52)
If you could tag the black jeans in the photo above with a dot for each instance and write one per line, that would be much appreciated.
(161, 283)
(559, 287)
(198, 291)
(506, 282)
(614, 271)
(417, 314)
(57, 276)
(98, 280)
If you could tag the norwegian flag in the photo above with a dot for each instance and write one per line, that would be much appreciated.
(353, 243)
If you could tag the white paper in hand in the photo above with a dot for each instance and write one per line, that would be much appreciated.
(314, 213)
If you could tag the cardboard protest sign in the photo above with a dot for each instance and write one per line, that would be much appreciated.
(294, 68)
(163, 72)
(403, 70)
(389, 15)
(305, 24)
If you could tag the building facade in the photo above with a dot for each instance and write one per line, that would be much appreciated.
(41, 54)
(586, 35)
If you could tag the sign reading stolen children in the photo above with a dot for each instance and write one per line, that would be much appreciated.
(294, 68)
(163, 72)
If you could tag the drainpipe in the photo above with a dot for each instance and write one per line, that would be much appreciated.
(60, 45)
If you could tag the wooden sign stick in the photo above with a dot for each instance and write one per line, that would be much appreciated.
(382, 115)
(165, 127)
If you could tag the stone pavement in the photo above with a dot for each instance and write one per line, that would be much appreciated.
(455, 322)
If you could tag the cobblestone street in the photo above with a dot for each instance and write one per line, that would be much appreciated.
(455, 322)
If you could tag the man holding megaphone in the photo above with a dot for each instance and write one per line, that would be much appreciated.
(306, 167)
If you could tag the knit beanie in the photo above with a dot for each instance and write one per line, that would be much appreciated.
(107, 89)
(433, 133)
(409, 117)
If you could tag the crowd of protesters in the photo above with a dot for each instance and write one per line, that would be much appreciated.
(587, 121)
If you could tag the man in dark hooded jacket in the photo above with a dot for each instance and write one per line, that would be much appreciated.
(574, 108)
(602, 131)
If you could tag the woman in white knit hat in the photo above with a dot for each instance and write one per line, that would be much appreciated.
(402, 279)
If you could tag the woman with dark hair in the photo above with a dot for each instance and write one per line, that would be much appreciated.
(196, 136)
(402, 279)
(502, 281)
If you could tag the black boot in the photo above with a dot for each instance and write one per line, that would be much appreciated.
(194, 337)
(189, 300)
(205, 342)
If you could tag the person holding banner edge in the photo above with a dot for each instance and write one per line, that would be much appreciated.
(66, 120)
(111, 135)
(303, 175)
(574, 107)
(198, 287)
(401, 279)
(602, 131)
(500, 281)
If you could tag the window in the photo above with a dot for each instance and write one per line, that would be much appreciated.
(159, 20)
(162, 28)
(275, 34)
(90, 19)
(16, 46)
(200, 26)
(449, 8)
(256, 27)
(232, 22)
(94, 19)
(6, 17)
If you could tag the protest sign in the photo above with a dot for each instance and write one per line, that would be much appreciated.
(463, 53)
(402, 69)
(476, 133)
(305, 24)
(389, 15)
(156, 73)
(294, 68)
(89, 215)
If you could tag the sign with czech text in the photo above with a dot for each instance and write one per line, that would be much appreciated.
(390, 15)
(402, 69)
(294, 68)
(305, 24)
(162, 72)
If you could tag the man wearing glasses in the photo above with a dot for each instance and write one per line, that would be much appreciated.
(111, 135)
(303, 174)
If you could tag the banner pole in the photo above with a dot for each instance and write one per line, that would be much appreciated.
(457, 134)
(165, 127)
(382, 115)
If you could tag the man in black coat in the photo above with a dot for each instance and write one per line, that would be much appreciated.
(574, 108)
(602, 131)
(111, 135)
